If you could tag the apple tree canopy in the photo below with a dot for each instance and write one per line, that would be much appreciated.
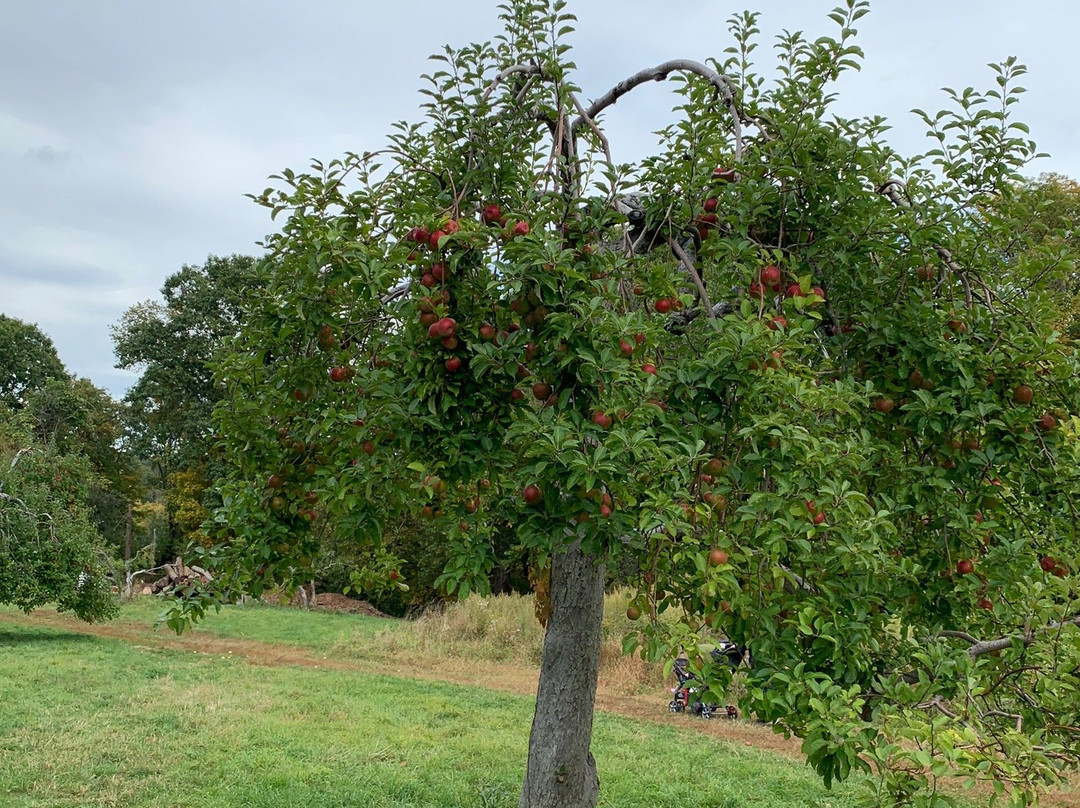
(797, 380)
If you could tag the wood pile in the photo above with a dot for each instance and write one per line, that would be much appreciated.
(178, 574)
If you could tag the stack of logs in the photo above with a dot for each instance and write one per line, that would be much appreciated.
(177, 575)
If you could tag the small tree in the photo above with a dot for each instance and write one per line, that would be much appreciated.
(794, 378)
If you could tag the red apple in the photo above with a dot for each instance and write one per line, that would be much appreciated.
(777, 322)
(819, 518)
(419, 235)
(713, 466)
(965, 566)
(487, 332)
(770, 276)
(541, 390)
(446, 327)
(367, 447)
(491, 214)
(453, 364)
(711, 204)
(439, 271)
(451, 226)
(794, 290)
(433, 239)
(717, 557)
(625, 347)
(1046, 422)
(520, 229)
(1047, 563)
(649, 368)
(883, 404)
(274, 481)
(1023, 395)
(722, 174)
(532, 494)
(663, 305)
(602, 419)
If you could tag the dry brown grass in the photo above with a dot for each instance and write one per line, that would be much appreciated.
(504, 629)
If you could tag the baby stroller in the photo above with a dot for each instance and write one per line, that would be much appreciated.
(686, 695)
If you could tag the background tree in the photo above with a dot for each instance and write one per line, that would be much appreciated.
(788, 376)
(172, 343)
(1051, 240)
(75, 417)
(27, 360)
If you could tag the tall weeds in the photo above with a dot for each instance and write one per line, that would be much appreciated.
(505, 629)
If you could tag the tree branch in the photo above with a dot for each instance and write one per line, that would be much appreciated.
(678, 321)
(722, 83)
(688, 265)
(981, 647)
(531, 70)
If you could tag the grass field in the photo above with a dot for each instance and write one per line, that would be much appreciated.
(91, 721)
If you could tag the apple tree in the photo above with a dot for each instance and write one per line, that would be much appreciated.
(50, 550)
(798, 380)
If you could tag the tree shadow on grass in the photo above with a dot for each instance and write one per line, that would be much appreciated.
(33, 636)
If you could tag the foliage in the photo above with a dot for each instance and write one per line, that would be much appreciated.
(1050, 241)
(49, 548)
(183, 499)
(831, 461)
(27, 360)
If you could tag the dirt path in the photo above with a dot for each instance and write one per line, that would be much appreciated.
(491, 676)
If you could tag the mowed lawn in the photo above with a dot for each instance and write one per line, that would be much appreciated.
(88, 721)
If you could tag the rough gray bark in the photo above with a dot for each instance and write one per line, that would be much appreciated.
(561, 771)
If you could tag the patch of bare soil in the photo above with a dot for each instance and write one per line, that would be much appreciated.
(492, 676)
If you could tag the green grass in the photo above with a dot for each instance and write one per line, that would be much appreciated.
(91, 722)
(319, 631)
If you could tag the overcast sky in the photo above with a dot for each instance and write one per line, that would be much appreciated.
(130, 131)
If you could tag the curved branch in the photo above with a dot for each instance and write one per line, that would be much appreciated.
(530, 70)
(722, 83)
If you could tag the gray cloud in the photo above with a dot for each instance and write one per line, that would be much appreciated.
(48, 156)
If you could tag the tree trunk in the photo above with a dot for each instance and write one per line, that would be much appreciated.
(127, 536)
(561, 771)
